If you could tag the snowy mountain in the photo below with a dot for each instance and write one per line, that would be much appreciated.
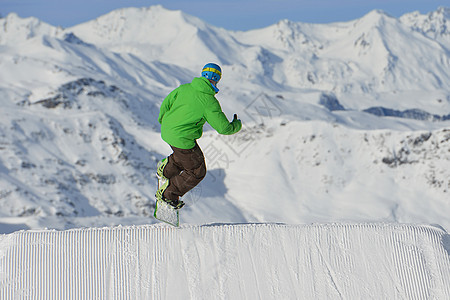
(342, 122)
(435, 24)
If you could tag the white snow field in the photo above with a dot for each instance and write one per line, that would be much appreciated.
(246, 261)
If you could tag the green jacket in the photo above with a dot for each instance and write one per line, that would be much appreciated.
(186, 109)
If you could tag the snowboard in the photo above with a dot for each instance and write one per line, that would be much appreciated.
(165, 212)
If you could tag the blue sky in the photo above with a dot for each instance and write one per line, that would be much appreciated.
(229, 14)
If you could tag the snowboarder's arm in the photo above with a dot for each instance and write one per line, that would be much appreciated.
(217, 119)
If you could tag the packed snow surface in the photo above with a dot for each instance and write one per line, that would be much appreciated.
(247, 261)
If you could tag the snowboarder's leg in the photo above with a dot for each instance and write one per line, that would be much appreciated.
(191, 162)
(168, 167)
(163, 181)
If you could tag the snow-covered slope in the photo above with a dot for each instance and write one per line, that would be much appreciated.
(249, 261)
(335, 173)
(344, 121)
(435, 25)
(155, 33)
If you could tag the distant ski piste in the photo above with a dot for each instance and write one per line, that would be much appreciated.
(219, 261)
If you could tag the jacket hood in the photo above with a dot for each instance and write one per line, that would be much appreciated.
(203, 85)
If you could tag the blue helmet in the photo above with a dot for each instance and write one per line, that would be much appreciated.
(212, 71)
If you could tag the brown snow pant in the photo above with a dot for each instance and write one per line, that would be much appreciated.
(185, 169)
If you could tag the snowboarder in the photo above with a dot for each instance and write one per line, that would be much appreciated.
(182, 116)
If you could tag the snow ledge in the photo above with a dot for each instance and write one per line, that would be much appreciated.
(228, 261)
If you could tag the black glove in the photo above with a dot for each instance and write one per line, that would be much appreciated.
(237, 122)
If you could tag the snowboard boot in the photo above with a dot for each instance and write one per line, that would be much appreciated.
(176, 204)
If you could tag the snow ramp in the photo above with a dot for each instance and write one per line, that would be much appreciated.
(246, 261)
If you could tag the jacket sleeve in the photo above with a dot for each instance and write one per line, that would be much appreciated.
(217, 119)
(166, 104)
